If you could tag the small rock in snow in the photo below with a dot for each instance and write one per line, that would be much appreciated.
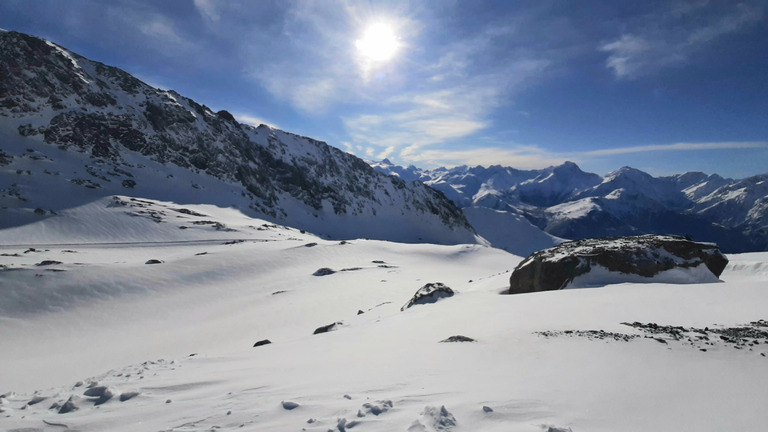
(378, 407)
(324, 271)
(101, 394)
(154, 261)
(289, 405)
(36, 400)
(327, 328)
(262, 342)
(69, 406)
(128, 395)
(458, 338)
(429, 293)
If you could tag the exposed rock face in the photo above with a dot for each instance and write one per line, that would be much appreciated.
(646, 256)
(429, 293)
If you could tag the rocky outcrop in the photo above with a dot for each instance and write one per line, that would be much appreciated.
(645, 256)
(429, 293)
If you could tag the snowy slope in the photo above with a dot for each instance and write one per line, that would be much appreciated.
(180, 334)
(509, 231)
(74, 131)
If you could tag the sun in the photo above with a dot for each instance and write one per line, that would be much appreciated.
(379, 43)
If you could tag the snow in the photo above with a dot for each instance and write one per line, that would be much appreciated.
(509, 231)
(737, 194)
(176, 339)
(574, 209)
(599, 276)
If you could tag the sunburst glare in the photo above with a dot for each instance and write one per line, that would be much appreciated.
(378, 44)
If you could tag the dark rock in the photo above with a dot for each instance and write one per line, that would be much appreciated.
(227, 116)
(262, 342)
(376, 408)
(154, 261)
(36, 400)
(487, 409)
(325, 271)
(360, 312)
(128, 183)
(128, 395)
(647, 255)
(327, 328)
(289, 405)
(101, 394)
(47, 263)
(69, 406)
(429, 293)
(458, 338)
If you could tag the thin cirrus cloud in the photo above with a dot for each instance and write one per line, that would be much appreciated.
(667, 40)
(208, 9)
(679, 147)
(533, 157)
(522, 157)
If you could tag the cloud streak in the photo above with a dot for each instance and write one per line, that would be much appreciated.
(667, 39)
(679, 147)
(533, 157)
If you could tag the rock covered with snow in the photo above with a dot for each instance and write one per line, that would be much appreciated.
(429, 293)
(618, 259)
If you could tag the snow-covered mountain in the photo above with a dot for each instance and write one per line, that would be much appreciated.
(73, 131)
(566, 202)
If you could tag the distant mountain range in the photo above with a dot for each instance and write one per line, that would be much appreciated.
(73, 130)
(565, 202)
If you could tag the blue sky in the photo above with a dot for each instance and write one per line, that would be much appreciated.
(663, 86)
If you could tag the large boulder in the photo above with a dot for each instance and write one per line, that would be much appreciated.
(619, 259)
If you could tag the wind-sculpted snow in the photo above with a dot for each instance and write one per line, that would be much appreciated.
(121, 135)
(110, 343)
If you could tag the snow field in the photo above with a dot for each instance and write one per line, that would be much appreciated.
(109, 311)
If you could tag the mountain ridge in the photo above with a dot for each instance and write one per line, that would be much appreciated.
(54, 99)
(566, 202)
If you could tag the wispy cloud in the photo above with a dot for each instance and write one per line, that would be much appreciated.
(669, 39)
(679, 147)
(208, 9)
(454, 100)
(533, 157)
(522, 157)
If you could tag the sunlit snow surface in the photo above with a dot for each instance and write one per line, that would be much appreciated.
(97, 313)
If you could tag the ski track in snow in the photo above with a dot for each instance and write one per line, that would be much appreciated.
(176, 339)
